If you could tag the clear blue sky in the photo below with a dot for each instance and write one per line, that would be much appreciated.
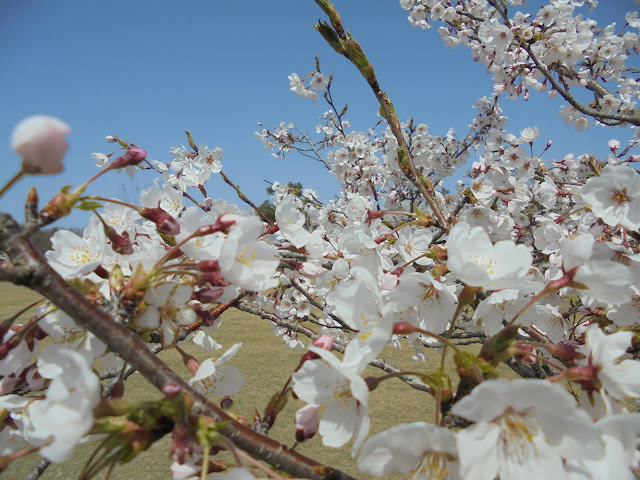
(149, 70)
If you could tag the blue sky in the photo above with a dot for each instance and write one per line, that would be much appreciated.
(149, 70)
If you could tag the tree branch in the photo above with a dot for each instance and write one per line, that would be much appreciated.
(34, 272)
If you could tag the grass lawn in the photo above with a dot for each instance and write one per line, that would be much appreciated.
(266, 365)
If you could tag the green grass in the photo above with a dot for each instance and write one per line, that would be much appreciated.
(266, 364)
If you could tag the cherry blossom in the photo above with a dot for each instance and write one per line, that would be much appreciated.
(40, 141)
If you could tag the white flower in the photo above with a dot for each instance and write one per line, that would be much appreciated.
(619, 378)
(40, 141)
(65, 416)
(596, 279)
(523, 429)
(167, 310)
(359, 303)
(429, 451)
(212, 378)
(478, 263)
(245, 261)
(620, 435)
(319, 81)
(339, 385)
(72, 256)
(614, 196)
(291, 221)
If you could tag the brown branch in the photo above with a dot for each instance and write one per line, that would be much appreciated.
(338, 346)
(353, 51)
(34, 272)
(244, 198)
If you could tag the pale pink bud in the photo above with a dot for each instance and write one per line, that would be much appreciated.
(614, 145)
(40, 141)
(110, 138)
(310, 269)
(307, 421)
(323, 341)
(388, 282)
(207, 203)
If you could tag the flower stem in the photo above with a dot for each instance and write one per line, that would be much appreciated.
(12, 181)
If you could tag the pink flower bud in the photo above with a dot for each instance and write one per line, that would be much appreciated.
(40, 141)
(311, 270)
(171, 389)
(207, 203)
(209, 266)
(120, 243)
(307, 421)
(208, 295)
(388, 282)
(133, 156)
(323, 341)
(165, 223)
(110, 139)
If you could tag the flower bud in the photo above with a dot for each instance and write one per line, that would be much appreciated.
(133, 156)
(323, 341)
(226, 402)
(40, 141)
(307, 421)
(311, 269)
(165, 223)
(120, 243)
(208, 295)
(403, 328)
(171, 389)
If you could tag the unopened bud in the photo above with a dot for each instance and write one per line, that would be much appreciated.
(323, 341)
(523, 358)
(226, 403)
(209, 266)
(133, 156)
(120, 243)
(40, 141)
(110, 139)
(311, 269)
(171, 389)
(223, 224)
(307, 420)
(208, 295)
(372, 215)
(165, 223)
(403, 328)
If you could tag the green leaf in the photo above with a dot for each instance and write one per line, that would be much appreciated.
(88, 205)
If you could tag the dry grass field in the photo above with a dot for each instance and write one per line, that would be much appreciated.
(265, 364)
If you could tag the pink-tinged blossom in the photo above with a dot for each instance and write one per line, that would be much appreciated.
(307, 420)
(523, 429)
(478, 263)
(40, 141)
(338, 385)
(619, 378)
(614, 196)
(429, 451)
